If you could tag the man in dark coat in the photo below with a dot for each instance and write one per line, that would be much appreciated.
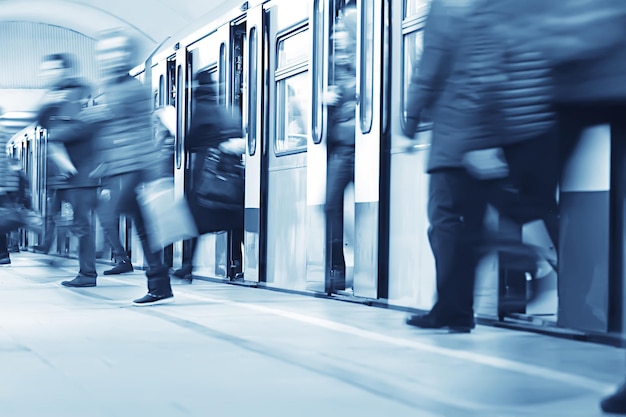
(211, 126)
(126, 151)
(71, 144)
(456, 203)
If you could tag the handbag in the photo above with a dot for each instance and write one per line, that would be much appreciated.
(167, 217)
(221, 183)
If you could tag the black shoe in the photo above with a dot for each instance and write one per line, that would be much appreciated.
(6, 260)
(80, 281)
(120, 268)
(183, 272)
(153, 299)
(616, 402)
(429, 321)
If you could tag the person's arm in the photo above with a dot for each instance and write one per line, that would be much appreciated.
(431, 71)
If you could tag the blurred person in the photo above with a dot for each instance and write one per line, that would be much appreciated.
(211, 128)
(456, 200)
(341, 102)
(126, 151)
(71, 149)
(587, 44)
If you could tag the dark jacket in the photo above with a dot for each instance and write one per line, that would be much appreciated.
(211, 125)
(124, 142)
(434, 86)
(62, 121)
(341, 115)
(585, 39)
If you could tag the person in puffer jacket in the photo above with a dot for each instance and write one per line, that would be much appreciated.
(125, 149)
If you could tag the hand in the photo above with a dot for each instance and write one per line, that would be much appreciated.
(235, 146)
(330, 97)
(486, 164)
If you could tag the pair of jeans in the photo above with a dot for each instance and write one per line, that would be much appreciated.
(456, 210)
(84, 202)
(340, 173)
(110, 224)
(123, 200)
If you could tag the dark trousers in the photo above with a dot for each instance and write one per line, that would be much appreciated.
(4, 251)
(110, 225)
(84, 202)
(340, 173)
(53, 209)
(124, 201)
(456, 210)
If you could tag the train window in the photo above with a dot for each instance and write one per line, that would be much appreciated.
(367, 66)
(319, 59)
(293, 93)
(161, 88)
(179, 128)
(293, 49)
(415, 7)
(252, 103)
(223, 70)
(291, 118)
(413, 45)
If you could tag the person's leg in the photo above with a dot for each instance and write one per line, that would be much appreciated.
(189, 249)
(456, 210)
(159, 287)
(84, 201)
(110, 228)
(5, 259)
(340, 173)
(53, 209)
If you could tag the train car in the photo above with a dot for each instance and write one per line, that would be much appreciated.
(271, 57)
(273, 61)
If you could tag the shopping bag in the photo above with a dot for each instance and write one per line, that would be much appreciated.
(167, 217)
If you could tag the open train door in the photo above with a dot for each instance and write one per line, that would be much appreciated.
(369, 173)
(253, 128)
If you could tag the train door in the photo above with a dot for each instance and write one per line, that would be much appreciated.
(223, 53)
(371, 155)
(207, 54)
(411, 268)
(288, 121)
(330, 241)
(253, 123)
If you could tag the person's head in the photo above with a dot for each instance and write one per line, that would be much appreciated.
(115, 51)
(344, 36)
(56, 68)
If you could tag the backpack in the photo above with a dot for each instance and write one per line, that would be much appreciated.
(509, 82)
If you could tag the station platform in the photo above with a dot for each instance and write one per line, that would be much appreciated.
(225, 350)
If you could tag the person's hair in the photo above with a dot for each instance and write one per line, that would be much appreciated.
(132, 43)
(66, 60)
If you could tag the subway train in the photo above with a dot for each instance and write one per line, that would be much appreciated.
(272, 62)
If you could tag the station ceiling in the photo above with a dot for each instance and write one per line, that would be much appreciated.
(152, 20)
